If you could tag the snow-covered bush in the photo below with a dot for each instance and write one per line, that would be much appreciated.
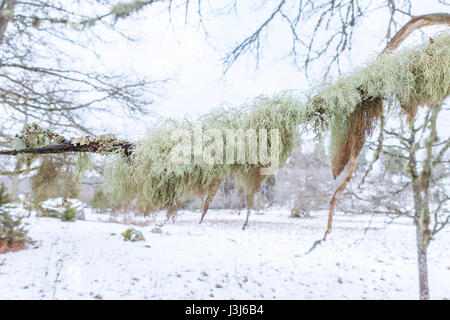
(12, 229)
(55, 208)
(69, 214)
(131, 234)
(296, 213)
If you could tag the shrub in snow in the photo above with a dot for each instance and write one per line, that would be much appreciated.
(55, 208)
(131, 234)
(69, 214)
(12, 230)
(296, 213)
(44, 211)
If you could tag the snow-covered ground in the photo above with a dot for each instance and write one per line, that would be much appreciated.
(217, 260)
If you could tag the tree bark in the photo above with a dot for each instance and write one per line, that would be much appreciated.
(68, 146)
(424, 290)
(421, 181)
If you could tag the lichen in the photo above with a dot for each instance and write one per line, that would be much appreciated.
(412, 76)
(124, 9)
(7, 14)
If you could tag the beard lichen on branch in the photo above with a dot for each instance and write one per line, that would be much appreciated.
(348, 108)
(155, 182)
(33, 136)
(144, 173)
(35, 141)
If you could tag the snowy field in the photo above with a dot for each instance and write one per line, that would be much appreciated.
(217, 260)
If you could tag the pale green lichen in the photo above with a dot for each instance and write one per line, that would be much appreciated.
(73, 24)
(7, 14)
(412, 76)
(33, 136)
(124, 9)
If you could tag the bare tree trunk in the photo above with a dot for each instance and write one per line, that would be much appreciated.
(421, 221)
(423, 266)
(421, 181)
(249, 199)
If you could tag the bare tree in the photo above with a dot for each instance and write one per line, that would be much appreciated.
(414, 177)
(319, 31)
(38, 84)
(306, 21)
(41, 79)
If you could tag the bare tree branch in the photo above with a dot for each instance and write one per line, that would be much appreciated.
(416, 23)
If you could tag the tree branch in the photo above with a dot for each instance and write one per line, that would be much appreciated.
(101, 144)
(414, 24)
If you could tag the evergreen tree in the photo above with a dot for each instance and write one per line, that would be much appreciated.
(12, 230)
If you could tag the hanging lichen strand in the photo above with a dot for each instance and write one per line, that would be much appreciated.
(150, 177)
(349, 108)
